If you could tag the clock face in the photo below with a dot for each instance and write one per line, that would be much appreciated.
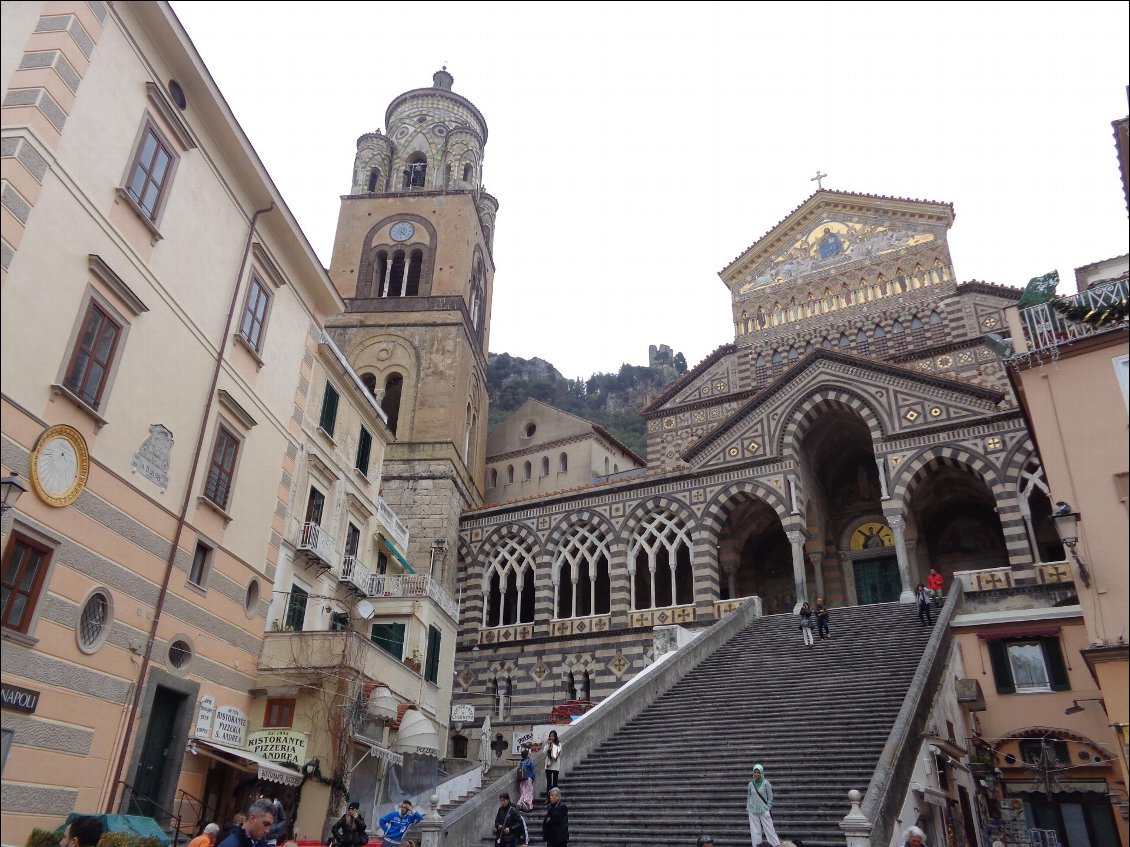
(402, 231)
(60, 465)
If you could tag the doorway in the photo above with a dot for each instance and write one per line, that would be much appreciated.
(149, 783)
(877, 580)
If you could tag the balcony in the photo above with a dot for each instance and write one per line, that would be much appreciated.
(395, 526)
(317, 544)
(1045, 328)
(413, 585)
(297, 654)
(354, 575)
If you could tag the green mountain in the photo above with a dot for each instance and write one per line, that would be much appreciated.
(612, 400)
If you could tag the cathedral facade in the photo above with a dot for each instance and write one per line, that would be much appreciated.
(855, 433)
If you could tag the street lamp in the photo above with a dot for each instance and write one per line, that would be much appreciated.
(11, 488)
(1067, 527)
(1075, 708)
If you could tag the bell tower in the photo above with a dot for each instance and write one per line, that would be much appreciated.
(413, 259)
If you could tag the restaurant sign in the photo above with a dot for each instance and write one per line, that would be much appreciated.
(279, 745)
(230, 727)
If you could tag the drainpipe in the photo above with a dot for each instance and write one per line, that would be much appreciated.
(182, 518)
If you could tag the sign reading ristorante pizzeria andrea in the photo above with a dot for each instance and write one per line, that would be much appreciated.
(279, 745)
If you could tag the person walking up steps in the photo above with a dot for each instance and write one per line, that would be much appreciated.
(935, 582)
(759, 806)
(806, 623)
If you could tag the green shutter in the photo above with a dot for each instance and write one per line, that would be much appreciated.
(431, 666)
(1002, 671)
(296, 609)
(329, 410)
(390, 638)
(364, 447)
(1053, 659)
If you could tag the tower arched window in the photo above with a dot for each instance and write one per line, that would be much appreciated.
(777, 357)
(935, 318)
(508, 585)
(468, 172)
(390, 403)
(659, 560)
(527, 471)
(374, 179)
(916, 322)
(468, 426)
(494, 478)
(395, 275)
(416, 171)
(509, 474)
(381, 274)
(563, 463)
(582, 586)
(412, 277)
(369, 380)
(845, 342)
(545, 465)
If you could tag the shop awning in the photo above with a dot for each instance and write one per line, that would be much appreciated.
(399, 556)
(416, 735)
(248, 761)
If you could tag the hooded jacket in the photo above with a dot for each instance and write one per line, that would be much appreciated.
(759, 795)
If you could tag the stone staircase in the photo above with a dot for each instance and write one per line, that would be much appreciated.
(816, 718)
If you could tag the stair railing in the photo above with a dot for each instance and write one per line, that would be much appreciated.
(873, 823)
(473, 820)
(167, 819)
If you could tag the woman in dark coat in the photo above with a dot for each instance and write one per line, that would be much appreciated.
(350, 830)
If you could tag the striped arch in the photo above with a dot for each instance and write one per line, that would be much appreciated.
(715, 514)
(464, 552)
(508, 530)
(948, 456)
(1023, 452)
(564, 528)
(645, 508)
(799, 419)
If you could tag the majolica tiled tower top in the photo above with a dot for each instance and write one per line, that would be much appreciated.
(413, 259)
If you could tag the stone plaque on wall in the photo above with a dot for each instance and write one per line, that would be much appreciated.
(152, 458)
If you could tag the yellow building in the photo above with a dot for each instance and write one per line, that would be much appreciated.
(1070, 374)
(161, 313)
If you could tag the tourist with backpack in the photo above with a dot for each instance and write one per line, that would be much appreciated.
(526, 775)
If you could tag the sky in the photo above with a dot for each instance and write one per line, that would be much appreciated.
(636, 149)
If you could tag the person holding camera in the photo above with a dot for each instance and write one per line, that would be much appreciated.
(350, 830)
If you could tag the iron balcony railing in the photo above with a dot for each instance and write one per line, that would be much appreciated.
(1045, 328)
(313, 539)
(354, 574)
(413, 585)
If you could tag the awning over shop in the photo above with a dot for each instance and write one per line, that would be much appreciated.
(246, 760)
(377, 751)
(417, 735)
(399, 556)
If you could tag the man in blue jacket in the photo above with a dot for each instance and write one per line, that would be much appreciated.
(396, 824)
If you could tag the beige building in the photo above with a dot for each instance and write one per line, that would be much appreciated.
(1070, 374)
(161, 315)
(539, 450)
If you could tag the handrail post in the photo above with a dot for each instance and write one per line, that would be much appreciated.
(855, 825)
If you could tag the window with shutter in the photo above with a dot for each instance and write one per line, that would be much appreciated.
(389, 637)
(328, 419)
(364, 448)
(431, 663)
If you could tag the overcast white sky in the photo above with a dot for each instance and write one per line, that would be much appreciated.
(636, 149)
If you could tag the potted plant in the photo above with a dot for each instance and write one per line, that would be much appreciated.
(414, 661)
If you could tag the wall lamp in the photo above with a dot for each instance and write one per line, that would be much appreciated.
(1075, 708)
(11, 489)
(1067, 527)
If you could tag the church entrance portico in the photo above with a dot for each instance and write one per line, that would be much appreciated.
(755, 555)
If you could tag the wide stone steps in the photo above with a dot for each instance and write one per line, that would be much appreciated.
(817, 718)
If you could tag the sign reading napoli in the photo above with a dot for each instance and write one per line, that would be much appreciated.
(279, 745)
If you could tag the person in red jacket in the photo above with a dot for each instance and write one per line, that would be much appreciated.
(935, 582)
